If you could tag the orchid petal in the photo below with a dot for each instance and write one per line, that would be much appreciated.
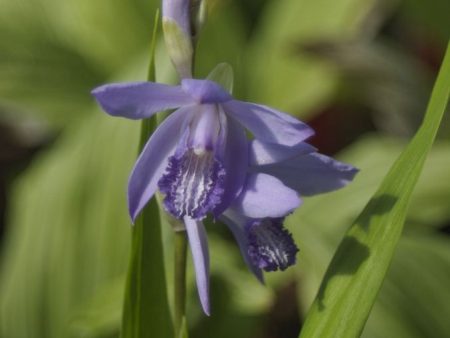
(138, 100)
(265, 196)
(262, 153)
(312, 174)
(237, 228)
(205, 91)
(153, 160)
(200, 256)
(267, 124)
(235, 160)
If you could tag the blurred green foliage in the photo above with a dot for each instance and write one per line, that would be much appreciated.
(66, 246)
(359, 266)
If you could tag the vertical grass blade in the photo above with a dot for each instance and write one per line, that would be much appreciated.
(357, 270)
(146, 311)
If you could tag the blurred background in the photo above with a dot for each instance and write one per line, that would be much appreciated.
(359, 71)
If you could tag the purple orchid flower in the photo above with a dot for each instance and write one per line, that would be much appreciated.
(203, 163)
(264, 243)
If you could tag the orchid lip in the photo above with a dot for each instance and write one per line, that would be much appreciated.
(193, 184)
(271, 247)
(194, 180)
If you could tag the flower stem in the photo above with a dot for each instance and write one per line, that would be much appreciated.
(180, 248)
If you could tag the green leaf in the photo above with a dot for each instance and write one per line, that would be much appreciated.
(419, 309)
(184, 329)
(50, 59)
(355, 275)
(100, 315)
(146, 310)
(69, 229)
(318, 234)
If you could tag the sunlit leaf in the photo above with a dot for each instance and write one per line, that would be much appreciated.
(69, 230)
(99, 316)
(146, 310)
(52, 53)
(420, 309)
(355, 275)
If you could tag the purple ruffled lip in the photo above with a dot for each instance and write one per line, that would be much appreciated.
(201, 178)
(270, 246)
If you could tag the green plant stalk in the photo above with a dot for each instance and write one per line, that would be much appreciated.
(180, 248)
(146, 311)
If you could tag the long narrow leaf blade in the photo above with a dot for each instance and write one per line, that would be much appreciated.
(146, 311)
(357, 270)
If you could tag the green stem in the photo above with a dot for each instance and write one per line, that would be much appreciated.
(180, 247)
